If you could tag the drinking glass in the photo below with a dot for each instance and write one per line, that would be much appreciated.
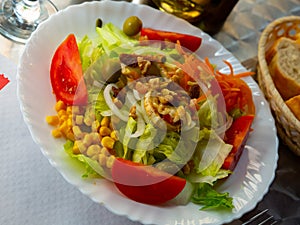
(19, 18)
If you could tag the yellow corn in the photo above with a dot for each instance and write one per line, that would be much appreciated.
(63, 121)
(75, 110)
(63, 118)
(69, 122)
(104, 131)
(88, 139)
(80, 147)
(77, 132)
(95, 137)
(95, 125)
(108, 142)
(52, 120)
(104, 151)
(60, 105)
(87, 121)
(114, 135)
(109, 162)
(102, 159)
(70, 135)
(76, 148)
(69, 109)
(63, 127)
(56, 133)
(79, 119)
(62, 112)
(105, 122)
(93, 150)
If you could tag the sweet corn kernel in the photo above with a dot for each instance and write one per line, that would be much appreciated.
(76, 148)
(63, 127)
(76, 110)
(56, 133)
(108, 142)
(80, 146)
(87, 139)
(95, 126)
(87, 121)
(105, 122)
(104, 151)
(104, 131)
(114, 135)
(79, 119)
(69, 109)
(77, 132)
(60, 105)
(109, 161)
(62, 112)
(70, 135)
(69, 122)
(95, 137)
(111, 126)
(63, 118)
(93, 150)
(102, 159)
(52, 120)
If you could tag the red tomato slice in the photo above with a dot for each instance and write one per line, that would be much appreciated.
(237, 136)
(66, 73)
(145, 184)
(188, 41)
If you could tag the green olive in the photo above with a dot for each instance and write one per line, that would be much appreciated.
(132, 26)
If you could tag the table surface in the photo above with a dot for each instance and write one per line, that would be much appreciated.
(46, 198)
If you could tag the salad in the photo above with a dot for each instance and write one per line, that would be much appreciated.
(139, 108)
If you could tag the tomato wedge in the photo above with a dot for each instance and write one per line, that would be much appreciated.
(237, 136)
(145, 184)
(66, 73)
(188, 41)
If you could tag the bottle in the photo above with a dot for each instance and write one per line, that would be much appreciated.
(208, 15)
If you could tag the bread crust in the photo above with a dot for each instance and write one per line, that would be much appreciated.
(294, 105)
(286, 82)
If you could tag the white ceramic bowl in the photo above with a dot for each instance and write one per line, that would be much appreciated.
(251, 178)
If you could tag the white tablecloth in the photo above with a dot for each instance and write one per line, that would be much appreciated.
(32, 192)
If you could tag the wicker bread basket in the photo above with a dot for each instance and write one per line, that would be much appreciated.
(288, 126)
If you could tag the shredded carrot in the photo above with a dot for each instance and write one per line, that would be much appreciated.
(236, 92)
(201, 98)
(210, 66)
(244, 74)
(230, 67)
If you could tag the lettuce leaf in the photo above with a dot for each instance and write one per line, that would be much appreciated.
(210, 153)
(89, 52)
(209, 179)
(208, 114)
(92, 167)
(97, 100)
(144, 146)
(129, 129)
(210, 199)
(113, 37)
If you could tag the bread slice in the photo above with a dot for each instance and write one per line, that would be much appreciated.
(285, 67)
(294, 105)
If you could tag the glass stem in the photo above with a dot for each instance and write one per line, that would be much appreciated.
(27, 11)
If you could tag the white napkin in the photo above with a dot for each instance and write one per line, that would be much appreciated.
(32, 192)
